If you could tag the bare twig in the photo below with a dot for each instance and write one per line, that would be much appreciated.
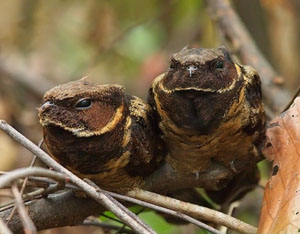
(166, 211)
(3, 228)
(104, 199)
(20, 173)
(241, 42)
(63, 209)
(25, 182)
(7, 206)
(162, 209)
(52, 186)
(231, 208)
(28, 225)
(27, 197)
(193, 210)
(23, 172)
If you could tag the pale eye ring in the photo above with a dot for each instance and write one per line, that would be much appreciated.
(83, 103)
(191, 69)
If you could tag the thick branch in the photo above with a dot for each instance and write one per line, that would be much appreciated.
(57, 210)
(235, 32)
(166, 180)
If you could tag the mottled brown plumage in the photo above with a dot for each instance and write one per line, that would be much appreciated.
(209, 110)
(100, 133)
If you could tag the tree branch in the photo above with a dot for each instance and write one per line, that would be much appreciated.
(57, 210)
(3, 228)
(100, 196)
(195, 211)
(28, 225)
(25, 172)
(153, 183)
(165, 179)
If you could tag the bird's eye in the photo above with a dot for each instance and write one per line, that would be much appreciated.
(219, 65)
(172, 66)
(83, 103)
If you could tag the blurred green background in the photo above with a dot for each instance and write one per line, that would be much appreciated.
(44, 43)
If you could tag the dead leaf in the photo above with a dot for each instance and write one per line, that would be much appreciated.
(281, 203)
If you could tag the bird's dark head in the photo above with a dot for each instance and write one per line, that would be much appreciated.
(205, 70)
(83, 108)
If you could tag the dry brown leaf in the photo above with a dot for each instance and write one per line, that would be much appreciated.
(281, 203)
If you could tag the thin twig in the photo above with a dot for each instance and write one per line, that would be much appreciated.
(38, 194)
(195, 211)
(20, 173)
(232, 207)
(104, 199)
(3, 228)
(28, 225)
(24, 183)
(161, 209)
(57, 210)
(7, 206)
(167, 211)
(27, 197)
(54, 186)
(23, 172)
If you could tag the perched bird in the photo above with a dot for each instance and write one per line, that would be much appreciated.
(209, 110)
(101, 133)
